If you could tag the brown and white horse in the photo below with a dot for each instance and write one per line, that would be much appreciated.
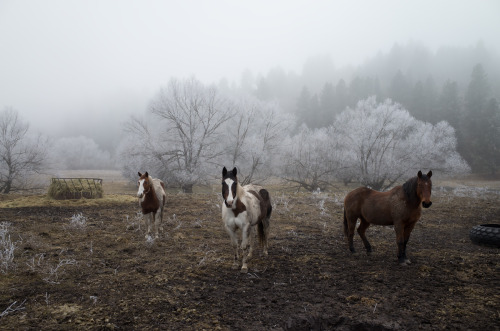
(401, 207)
(151, 196)
(244, 208)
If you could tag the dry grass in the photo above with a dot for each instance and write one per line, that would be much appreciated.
(20, 201)
(74, 188)
(104, 274)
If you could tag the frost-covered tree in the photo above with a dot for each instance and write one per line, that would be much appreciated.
(22, 155)
(182, 140)
(311, 158)
(383, 144)
(254, 135)
(80, 152)
(192, 130)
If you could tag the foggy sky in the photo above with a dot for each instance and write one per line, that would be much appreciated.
(92, 63)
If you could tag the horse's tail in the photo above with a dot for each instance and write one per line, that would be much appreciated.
(345, 224)
(263, 226)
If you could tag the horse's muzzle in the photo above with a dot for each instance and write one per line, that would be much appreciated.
(426, 204)
(229, 204)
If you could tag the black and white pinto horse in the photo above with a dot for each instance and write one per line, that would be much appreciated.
(151, 194)
(244, 208)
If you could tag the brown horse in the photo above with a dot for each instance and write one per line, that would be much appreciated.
(151, 194)
(401, 207)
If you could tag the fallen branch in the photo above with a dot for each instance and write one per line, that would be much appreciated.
(12, 308)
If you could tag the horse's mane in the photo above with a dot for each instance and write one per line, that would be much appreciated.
(410, 190)
(240, 192)
(152, 185)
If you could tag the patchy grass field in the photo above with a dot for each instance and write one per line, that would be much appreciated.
(85, 264)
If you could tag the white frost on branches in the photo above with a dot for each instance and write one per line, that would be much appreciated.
(192, 130)
(375, 144)
(253, 138)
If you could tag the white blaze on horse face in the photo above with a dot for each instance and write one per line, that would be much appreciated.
(140, 192)
(229, 199)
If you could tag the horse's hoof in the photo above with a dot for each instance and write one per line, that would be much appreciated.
(244, 270)
(266, 253)
(235, 266)
(407, 261)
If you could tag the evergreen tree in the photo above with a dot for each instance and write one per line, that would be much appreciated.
(416, 106)
(327, 104)
(356, 91)
(305, 112)
(314, 118)
(400, 89)
(491, 137)
(342, 96)
(449, 104)
(263, 91)
(429, 101)
(475, 143)
(376, 89)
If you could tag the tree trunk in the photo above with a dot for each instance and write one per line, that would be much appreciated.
(187, 188)
(7, 187)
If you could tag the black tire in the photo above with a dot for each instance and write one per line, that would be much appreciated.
(486, 234)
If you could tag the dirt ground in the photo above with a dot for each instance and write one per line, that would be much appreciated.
(101, 273)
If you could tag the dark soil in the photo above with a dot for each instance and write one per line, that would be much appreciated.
(110, 276)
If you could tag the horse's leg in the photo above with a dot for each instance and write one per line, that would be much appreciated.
(234, 242)
(157, 222)
(361, 231)
(266, 236)
(350, 222)
(246, 243)
(407, 231)
(148, 219)
(251, 237)
(161, 217)
(400, 242)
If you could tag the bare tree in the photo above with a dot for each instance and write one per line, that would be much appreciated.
(311, 159)
(254, 136)
(183, 142)
(21, 155)
(142, 149)
(79, 153)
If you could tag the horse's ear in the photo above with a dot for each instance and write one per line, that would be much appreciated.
(234, 171)
(429, 174)
(139, 174)
(224, 171)
(419, 174)
(146, 174)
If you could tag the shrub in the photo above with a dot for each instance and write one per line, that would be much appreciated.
(7, 248)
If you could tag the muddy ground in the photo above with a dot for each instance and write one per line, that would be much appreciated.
(104, 274)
